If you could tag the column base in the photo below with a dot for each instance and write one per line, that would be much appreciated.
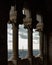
(14, 62)
(30, 59)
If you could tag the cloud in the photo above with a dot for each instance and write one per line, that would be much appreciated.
(9, 33)
(23, 36)
(10, 41)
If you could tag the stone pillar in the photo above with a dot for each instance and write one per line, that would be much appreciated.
(15, 42)
(13, 20)
(41, 43)
(30, 45)
(30, 49)
(28, 25)
(45, 48)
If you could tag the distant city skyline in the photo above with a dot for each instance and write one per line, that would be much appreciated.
(23, 38)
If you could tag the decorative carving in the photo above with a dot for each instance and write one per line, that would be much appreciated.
(27, 21)
(39, 26)
(13, 14)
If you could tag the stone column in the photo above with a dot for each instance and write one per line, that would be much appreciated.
(30, 49)
(28, 25)
(15, 42)
(41, 43)
(30, 45)
(45, 48)
(13, 20)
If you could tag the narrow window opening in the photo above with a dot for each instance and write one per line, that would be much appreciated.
(23, 41)
(36, 43)
(9, 41)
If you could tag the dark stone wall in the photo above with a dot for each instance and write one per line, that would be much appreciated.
(50, 48)
(4, 16)
(3, 43)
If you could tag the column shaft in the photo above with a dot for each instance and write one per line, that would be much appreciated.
(30, 50)
(41, 43)
(15, 42)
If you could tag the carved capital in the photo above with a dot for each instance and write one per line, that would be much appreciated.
(39, 26)
(13, 14)
(27, 21)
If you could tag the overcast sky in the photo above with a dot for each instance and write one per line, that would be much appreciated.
(23, 38)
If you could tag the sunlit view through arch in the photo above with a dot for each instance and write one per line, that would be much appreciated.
(23, 38)
(9, 37)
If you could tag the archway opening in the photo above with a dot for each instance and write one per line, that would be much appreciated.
(36, 43)
(23, 41)
(9, 40)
